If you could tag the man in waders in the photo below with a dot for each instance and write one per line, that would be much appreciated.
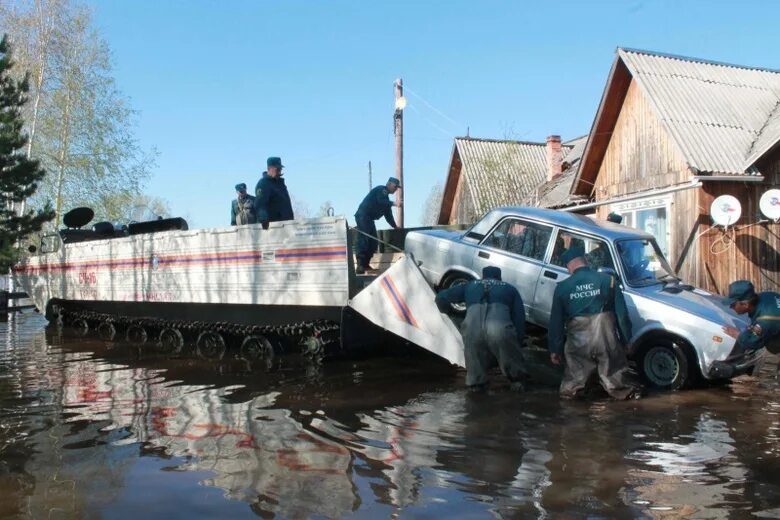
(242, 210)
(764, 311)
(493, 330)
(375, 205)
(589, 314)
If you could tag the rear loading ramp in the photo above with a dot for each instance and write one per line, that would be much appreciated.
(401, 301)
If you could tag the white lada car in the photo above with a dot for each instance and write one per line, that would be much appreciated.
(677, 329)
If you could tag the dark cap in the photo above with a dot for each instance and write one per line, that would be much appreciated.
(274, 161)
(572, 253)
(395, 181)
(241, 187)
(491, 272)
(739, 291)
(615, 217)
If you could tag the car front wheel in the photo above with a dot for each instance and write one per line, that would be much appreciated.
(664, 365)
(455, 280)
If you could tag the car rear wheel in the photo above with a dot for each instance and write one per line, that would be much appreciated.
(453, 281)
(664, 365)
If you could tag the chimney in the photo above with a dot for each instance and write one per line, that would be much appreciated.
(553, 157)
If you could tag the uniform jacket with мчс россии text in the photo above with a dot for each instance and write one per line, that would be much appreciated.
(586, 293)
(272, 201)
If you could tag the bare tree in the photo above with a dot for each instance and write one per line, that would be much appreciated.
(324, 208)
(81, 127)
(433, 205)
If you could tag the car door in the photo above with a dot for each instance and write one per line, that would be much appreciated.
(597, 254)
(518, 247)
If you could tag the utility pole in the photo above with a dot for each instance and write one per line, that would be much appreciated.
(398, 119)
(370, 179)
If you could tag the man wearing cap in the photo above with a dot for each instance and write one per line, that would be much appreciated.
(375, 205)
(272, 202)
(494, 327)
(589, 327)
(764, 311)
(242, 210)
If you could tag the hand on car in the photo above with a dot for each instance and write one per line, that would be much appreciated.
(731, 331)
(555, 358)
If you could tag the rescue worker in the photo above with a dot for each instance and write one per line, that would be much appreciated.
(764, 311)
(375, 205)
(589, 315)
(242, 211)
(272, 201)
(493, 330)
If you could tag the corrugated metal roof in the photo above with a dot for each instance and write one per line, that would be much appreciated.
(501, 173)
(723, 117)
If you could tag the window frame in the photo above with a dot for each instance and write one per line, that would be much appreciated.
(525, 221)
(647, 203)
(610, 245)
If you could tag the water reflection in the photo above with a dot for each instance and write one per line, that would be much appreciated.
(89, 429)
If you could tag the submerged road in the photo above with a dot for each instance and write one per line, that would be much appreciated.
(96, 430)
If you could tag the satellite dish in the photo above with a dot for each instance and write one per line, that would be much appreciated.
(725, 210)
(78, 217)
(770, 204)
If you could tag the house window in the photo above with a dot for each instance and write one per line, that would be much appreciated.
(650, 216)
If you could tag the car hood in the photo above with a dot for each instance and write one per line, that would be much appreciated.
(696, 301)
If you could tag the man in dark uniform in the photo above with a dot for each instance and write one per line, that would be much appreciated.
(764, 311)
(242, 211)
(589, 314)
(375, 205)
(272, 202)
(494, 328)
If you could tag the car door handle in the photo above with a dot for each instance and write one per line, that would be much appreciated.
(483, 254)
(551, 275)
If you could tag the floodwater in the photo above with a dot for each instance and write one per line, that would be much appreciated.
(95, 430)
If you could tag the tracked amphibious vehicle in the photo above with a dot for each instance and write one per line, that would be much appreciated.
(292, 285)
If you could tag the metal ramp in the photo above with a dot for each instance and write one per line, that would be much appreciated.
(400, 301)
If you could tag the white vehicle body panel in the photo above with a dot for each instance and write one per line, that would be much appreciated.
(292, 263)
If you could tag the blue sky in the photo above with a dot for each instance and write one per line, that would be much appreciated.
(221, 85)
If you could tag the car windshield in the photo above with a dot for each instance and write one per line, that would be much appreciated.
(643, 262)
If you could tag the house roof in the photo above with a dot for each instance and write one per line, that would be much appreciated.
(722, 117)
(555, 193)
(499, 172)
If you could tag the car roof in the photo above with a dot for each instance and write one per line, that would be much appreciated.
(573, 221)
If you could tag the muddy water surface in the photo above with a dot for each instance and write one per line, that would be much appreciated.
(95, 430)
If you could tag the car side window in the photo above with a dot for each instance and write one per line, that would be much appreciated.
(597, 252)
(520, 237)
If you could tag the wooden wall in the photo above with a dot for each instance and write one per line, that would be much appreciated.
(749, 251)
(640, 155)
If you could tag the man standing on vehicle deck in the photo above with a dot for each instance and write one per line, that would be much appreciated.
(272, 201)
(375, 205)
(242, 211)
(764, 311)
(589, 315)
(493, 330)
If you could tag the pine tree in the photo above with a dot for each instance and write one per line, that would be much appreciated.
(19, 175)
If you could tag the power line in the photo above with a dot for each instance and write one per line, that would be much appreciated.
(439, 112)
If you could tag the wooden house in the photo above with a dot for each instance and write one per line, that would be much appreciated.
(488, 173)
(670, 135)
